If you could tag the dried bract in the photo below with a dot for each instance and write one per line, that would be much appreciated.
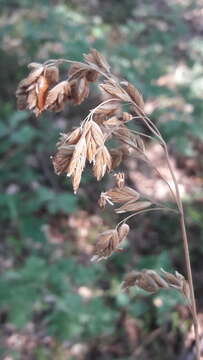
(57, 96)
(108, 242)
(134, 94)
(32, 91)
(115, 91)
(95, 58)
(151, 281)
(102, 162)
(123, 195)
(79, 90)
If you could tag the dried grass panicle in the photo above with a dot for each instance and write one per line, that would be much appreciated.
(41, 90)
(108, 242)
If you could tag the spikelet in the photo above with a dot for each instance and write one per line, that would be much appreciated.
(57, 96)
(102, 162)
(151, 281)
(108, 242)
(62, 158)
(79, 90)
(123, 194)
(134, 94)
(115, 91)
(95, 58)
(32, 91)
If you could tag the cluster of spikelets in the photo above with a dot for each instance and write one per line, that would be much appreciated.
(42, 90)
(151, 281)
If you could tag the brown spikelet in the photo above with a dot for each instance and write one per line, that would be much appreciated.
(151, 281)
(57, 96)
(95, 58)
(115, 91)
(102, 162)
(52, 74)
(79, 90)
(105, 111)
(108, 242)
(77, 163)
(133, 93)
(41, 92)
(123, 195)
(32, 91)
(123, 231)
(130, 206)
(61, 159)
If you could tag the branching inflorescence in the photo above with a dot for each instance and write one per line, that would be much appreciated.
(41, 91)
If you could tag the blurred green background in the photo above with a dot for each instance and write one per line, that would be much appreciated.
(55, 304)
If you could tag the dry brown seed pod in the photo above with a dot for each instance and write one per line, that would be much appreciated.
(134, 94)
(123, 231)
(107, 110)
(41, 92)
(97, 134)
(129, 206)
(52, 74)
(129, 280)
(95, 58)
(170, 278)
(115, 91)
(79, 90)
(141, 280)
(79, 156)
(62, 158)
(32, 91)
(57, 96)
(102, 162)
(158, 279)
(146, 282)
(123, 195)
(77, 71)
(74, 136)
(106, 244)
